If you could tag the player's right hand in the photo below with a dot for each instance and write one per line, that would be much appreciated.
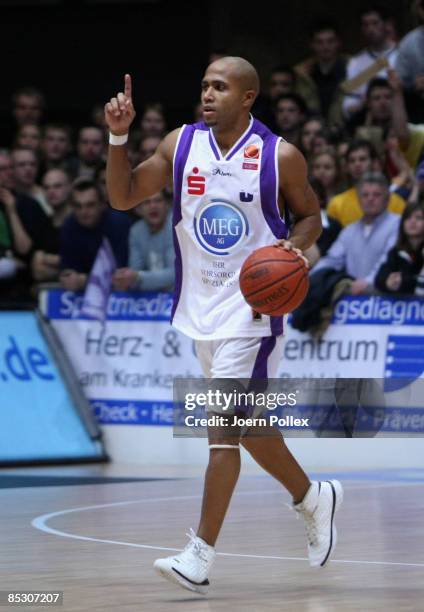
(119, 112)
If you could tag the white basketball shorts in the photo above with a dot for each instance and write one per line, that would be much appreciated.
(240, 358)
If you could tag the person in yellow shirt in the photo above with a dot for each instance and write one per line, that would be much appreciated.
(361, 157)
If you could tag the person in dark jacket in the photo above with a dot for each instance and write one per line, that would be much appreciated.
(83, 231)
(401, 272)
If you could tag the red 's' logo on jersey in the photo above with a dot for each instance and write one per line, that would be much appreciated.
(196, 184)
(252, 152)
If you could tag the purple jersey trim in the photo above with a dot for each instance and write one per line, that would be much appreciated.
(258, 381)
(241, 143)
(180, 160)
(277, 325)
(213, 147)
(268, 182)
(233, 151)
(201, 125)
(260, 368)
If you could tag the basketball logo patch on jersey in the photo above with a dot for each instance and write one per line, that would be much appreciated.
(220, 227)
(252, 152)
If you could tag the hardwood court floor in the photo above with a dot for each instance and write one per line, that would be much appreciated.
(98, 542)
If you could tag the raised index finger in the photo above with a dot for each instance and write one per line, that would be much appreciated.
(128, 87)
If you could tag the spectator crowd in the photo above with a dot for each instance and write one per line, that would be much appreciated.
(358, 120)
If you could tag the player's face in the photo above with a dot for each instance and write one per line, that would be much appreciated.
(221, 98)
(374, 199)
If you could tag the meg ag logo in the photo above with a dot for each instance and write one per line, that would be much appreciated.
(220, 227)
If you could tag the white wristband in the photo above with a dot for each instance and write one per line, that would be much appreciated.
(117, 140)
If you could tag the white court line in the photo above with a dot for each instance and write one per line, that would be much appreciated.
(40, 522)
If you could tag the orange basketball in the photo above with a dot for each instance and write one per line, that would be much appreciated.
(274, 281)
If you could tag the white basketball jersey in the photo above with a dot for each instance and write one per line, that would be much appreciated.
(225, 207)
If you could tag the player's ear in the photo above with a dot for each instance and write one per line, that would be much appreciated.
(249, 97)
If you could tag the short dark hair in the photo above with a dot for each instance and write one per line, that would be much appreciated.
(316, 117)
(323, 25)
(377, 83)
(361, 143)
(83, 184)
(286, 68)
(296, 99)
(374, 7)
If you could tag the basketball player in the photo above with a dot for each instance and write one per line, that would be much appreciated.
(235, 185)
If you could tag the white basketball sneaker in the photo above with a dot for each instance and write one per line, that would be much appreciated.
(318, 508)
(190, 568)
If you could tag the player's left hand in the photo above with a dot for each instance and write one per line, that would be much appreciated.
(289, 246)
